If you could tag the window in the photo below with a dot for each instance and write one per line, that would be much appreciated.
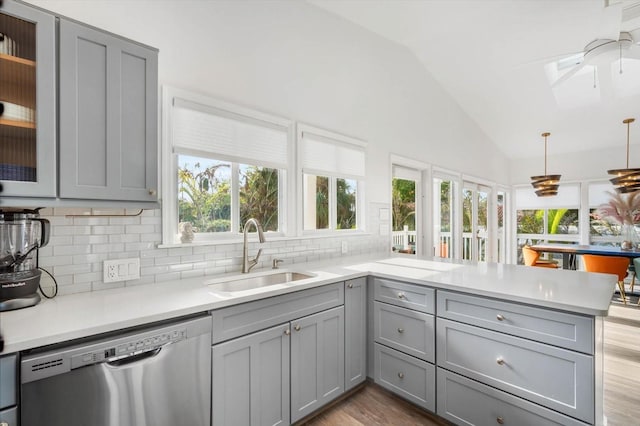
(547, 219)
(226, 165)
(332, 170)
(405, 209)
(445, 190)
(602, 231)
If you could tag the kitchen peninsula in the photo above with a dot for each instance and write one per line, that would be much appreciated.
(524, 340)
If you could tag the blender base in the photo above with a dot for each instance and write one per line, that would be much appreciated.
(19, 302)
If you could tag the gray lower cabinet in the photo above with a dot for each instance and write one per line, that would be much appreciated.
(317, 361)
(409, 377)
(467, 402)
(404, 340)
(250, 377)
(278, 375)
(8, 390)
(509, 363)
(355, 332)
(108, 116)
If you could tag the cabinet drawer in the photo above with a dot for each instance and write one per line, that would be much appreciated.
(467, 402)
(405, 330)
(8, 366)
(406, 376)
(410, 296)
(555, 328)
(556, 378)
(238, 320)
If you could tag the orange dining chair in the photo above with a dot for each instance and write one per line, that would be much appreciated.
(532, 258)
(609, 265)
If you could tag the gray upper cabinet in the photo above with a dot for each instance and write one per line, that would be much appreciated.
(27, 129)
(108, 116)
(317, 361)
(355, 332)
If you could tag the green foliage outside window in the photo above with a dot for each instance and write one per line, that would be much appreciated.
(403, 204)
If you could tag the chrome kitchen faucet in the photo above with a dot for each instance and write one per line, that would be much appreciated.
(247, 263)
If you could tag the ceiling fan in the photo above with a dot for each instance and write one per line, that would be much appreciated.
(611, 44)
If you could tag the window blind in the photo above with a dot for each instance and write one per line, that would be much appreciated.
(203, 129)
(598, 193)
(568, 197)
(326, 156)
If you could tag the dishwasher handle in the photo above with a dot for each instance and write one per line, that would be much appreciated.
(130, 359)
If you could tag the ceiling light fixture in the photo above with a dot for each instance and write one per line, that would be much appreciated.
(626, 180)
(546, 185)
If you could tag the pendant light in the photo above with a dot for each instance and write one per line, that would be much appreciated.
(626, 180)
(546, 185)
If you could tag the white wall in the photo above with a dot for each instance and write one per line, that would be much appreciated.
(580, 166)
(293, 59)
(287, 58)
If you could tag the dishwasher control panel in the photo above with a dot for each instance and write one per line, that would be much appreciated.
(126, 348)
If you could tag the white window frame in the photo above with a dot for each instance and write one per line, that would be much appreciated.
(338, 139)
(169, 166)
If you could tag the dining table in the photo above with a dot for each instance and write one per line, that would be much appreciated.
(571, 251)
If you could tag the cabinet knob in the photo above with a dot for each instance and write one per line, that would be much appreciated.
(500, 361)
(400, 330)
(152, 192)
(500, 420)
(287, 332)
(500, 317)
(297, 327)
(401, 375)
(401, 295)
(350, 285)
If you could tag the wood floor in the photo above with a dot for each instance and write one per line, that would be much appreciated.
(373, 406)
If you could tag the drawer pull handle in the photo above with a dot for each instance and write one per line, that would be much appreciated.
(500, 420)
(401, 375)
(500, 361)
(297, 327)
(500, 317)
(401, 295)
(350, 285)
(287, 332)
(400, 330)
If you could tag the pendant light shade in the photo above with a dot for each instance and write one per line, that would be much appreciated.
(546, 185)
(626, 180)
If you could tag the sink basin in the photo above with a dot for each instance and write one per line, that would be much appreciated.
(252, 282)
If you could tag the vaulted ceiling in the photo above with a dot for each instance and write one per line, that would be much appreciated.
(490, 55)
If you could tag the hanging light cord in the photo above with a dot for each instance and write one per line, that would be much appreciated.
(628, 122)
(545, 152)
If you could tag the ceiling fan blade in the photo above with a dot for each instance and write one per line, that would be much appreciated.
(568, 75)
(610, 22)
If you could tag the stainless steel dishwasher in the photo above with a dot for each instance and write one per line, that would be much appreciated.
(151, 377)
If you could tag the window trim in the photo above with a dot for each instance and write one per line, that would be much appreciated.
(342, 140)
(169, 164)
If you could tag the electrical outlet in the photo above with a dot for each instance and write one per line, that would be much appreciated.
(345, 247)
(121, 270)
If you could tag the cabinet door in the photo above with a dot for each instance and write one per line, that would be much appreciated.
(250, 379)
(108, 116)
(27, 128)
(355, 332)
(317, 361)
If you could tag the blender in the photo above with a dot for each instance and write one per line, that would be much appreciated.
(22, 233)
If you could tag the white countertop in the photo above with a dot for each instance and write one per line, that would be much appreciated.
(85, 314)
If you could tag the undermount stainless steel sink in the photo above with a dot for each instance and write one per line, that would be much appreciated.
(244, 283)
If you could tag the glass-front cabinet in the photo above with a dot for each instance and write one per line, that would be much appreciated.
(27, 101)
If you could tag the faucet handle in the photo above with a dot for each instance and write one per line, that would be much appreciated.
(276, 262)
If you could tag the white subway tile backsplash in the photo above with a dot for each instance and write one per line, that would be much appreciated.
(79, 245)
